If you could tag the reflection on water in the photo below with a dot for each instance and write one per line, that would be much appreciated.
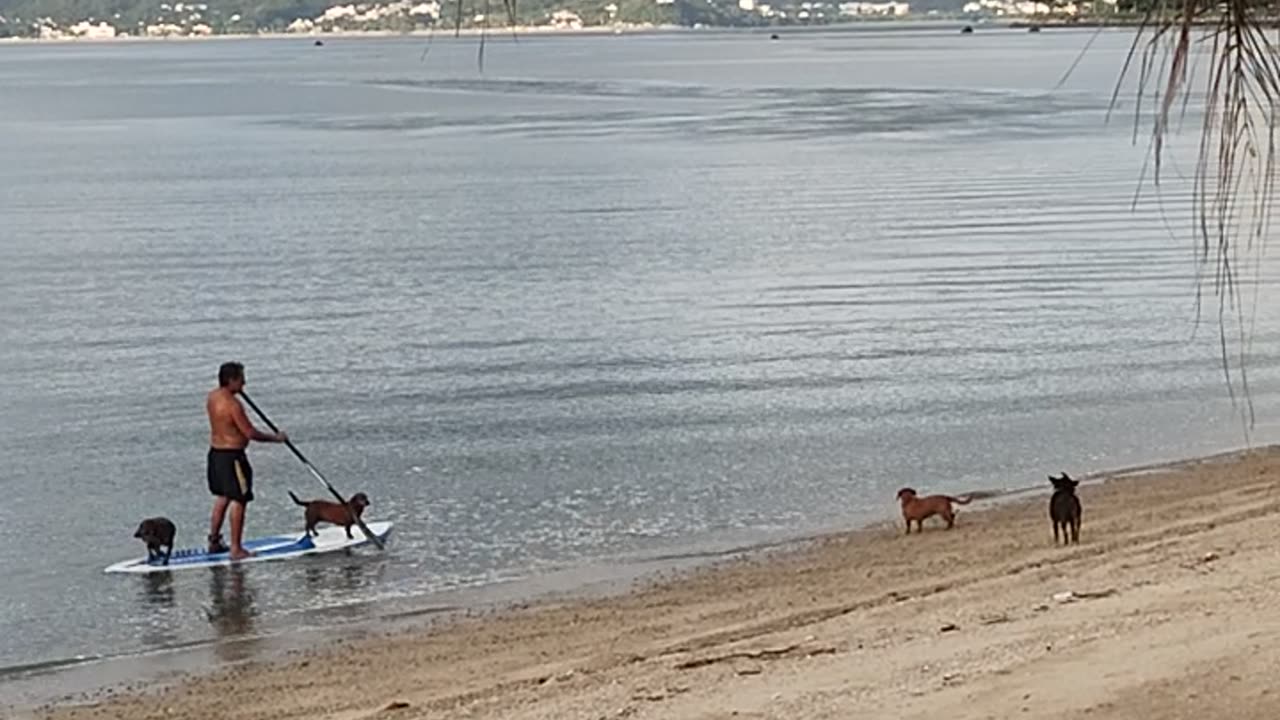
(354, 572)
(239, 612)
(331, 583)
(321, 578)
(159, 599)
(158, 590)
(231, 611)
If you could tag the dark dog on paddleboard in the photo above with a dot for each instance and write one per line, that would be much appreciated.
(319, 511)
(918, 509)
(1064, 509)
(157, 532)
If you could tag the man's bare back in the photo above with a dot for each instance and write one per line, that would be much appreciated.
(229, 429)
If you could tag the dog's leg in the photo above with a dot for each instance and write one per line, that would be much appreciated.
(1055, 533)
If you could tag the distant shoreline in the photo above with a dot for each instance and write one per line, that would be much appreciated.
(541, 30)
(465, 32)
(1024, 23)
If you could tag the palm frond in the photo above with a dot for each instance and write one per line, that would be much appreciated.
(1234, 179)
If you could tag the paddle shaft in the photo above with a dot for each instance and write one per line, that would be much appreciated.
(314, 472)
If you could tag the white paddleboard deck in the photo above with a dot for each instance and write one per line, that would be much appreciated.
(275, 547)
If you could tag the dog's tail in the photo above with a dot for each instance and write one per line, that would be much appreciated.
(296, 500)
(960, 500)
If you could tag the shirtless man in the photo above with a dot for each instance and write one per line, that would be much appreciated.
(230, 476)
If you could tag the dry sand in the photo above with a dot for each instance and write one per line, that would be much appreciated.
(1176, 614)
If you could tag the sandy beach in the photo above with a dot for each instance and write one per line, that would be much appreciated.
(1166, 609)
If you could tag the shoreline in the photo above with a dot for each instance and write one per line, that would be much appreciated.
(601, 577)
(77, 679)
(696, 587)
(490, 35)
(498, 33)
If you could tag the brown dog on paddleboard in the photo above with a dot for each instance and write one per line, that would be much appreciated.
(918, 509)
(318, 511)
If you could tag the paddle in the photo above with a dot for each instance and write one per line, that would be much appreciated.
(363, 528)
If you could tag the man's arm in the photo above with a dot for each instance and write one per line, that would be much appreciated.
(251, 432)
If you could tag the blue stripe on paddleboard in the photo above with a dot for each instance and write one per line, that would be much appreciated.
(264, 547)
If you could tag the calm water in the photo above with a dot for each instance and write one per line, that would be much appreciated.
(615, 298)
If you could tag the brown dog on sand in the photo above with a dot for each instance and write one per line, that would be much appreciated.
(319, 511)
(918, 509)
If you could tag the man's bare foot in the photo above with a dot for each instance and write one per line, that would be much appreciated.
(240, 554)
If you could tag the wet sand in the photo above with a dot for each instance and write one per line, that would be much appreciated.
(1168, 608)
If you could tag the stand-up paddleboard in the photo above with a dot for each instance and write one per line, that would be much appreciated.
(276, 547)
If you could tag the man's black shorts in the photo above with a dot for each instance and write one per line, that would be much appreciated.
(230, 475)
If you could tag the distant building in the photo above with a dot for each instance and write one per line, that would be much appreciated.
(338, 12)
(90, 31)
(566, 20)
(891, 8)
(1001, 8)
(429, 9)
(163, 30)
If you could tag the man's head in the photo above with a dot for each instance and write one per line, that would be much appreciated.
(231, 376)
